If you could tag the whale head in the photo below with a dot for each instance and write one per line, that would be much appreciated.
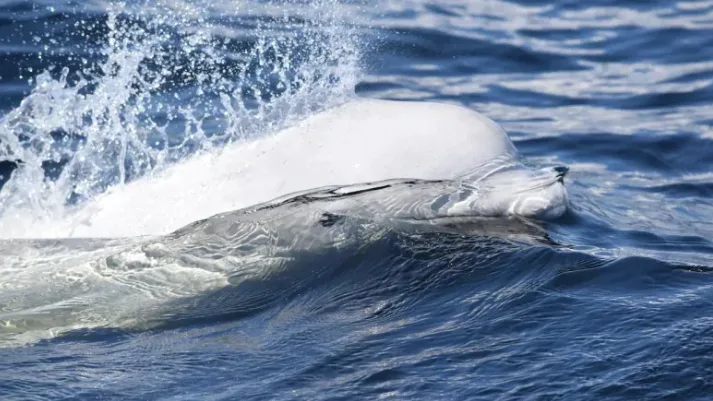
(533, 193)
(506, 187)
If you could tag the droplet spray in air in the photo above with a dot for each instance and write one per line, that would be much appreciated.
(167, 80)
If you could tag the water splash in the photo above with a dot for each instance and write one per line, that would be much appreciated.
(170, 79)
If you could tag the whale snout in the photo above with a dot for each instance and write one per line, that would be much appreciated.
(560, 172)
(519, 190)
(547, 198)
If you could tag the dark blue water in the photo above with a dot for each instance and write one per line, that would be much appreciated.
(616, 304)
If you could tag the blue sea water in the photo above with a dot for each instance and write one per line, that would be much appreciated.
(616, 304)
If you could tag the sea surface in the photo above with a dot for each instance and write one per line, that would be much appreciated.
(615, 304)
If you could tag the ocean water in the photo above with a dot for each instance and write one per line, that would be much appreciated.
(612, 301)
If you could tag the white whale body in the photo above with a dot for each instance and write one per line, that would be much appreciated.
(358, 142)
(235, 241)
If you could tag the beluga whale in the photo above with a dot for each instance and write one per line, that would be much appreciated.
(233, 232)
(474, 168)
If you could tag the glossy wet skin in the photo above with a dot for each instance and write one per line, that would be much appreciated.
(525, 192)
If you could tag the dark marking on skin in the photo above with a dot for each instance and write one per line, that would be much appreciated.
(329, 219)
(561, 171)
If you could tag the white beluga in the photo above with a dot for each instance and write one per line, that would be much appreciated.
(227, 232)
(363, 141)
